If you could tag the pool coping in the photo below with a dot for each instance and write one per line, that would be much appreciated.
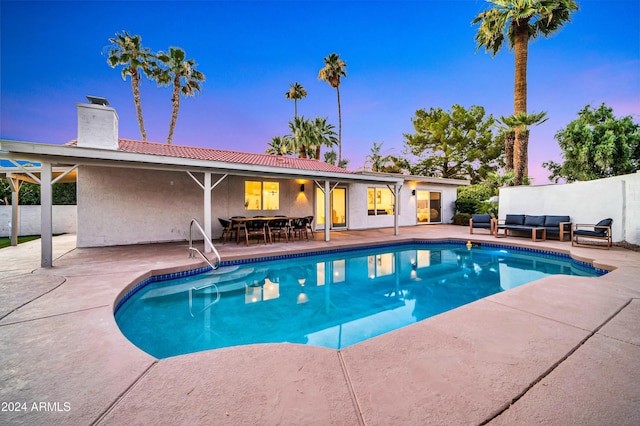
(506, 359)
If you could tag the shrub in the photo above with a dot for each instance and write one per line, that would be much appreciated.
(461, 219)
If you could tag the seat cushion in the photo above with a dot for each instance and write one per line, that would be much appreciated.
(481, 218)
(600, 233)
(605, 222)
(514, 219)
(535, 221)
(554, 221)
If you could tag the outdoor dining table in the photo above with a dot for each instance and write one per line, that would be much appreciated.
(238, 221)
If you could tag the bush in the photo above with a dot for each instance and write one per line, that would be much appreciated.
(461, 219)
(467, 206)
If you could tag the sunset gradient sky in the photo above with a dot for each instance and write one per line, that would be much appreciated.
(401, 56)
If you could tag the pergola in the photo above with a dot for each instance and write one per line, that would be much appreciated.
(59, 163)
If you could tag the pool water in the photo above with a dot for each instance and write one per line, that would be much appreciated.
(334, 300)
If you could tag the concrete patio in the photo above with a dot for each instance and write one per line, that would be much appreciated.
(561, 350)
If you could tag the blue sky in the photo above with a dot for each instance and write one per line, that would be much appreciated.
(401, 56)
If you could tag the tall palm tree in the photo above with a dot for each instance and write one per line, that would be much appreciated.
(334, 69)
(521, 122)
(181, 73)
(279, 146)
(295, 93)
(301, 136)
(127, 50)
(520, 21)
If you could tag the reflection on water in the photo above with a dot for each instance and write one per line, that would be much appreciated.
(333, 301)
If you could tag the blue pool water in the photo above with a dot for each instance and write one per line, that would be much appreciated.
(332, 300)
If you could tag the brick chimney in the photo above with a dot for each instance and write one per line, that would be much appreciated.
(97, 124)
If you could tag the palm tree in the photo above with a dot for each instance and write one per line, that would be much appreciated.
(127, 50)
(334, 69)
(324, 135)
(331, 157)
(181, 73)
(279, 146)
(521, 122)
(377, 160)
(301, 136)
(520, 21)
(509, 135)
(295, 93)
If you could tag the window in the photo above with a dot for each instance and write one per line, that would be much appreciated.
(380, 201)
(261, 195)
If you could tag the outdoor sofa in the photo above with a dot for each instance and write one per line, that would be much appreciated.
(538, 226)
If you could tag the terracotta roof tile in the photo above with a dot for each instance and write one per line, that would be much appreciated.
(212, 154)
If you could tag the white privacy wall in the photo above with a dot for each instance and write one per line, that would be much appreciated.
(64, 220)
(585, 202)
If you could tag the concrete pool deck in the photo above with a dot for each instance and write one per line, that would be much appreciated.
(561, 350)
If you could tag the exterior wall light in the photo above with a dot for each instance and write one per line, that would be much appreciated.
(302, 187)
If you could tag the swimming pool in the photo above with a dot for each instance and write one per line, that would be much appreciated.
(335, 299)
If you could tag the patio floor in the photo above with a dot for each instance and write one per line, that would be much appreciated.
(561, 350)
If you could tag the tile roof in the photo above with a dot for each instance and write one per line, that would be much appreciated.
(213, 154)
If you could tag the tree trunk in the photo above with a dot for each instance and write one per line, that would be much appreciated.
(339, 129)
(509, 141)
(521, 52)
(295, 109)
(522, 141)
(135, 88)
(175, 102)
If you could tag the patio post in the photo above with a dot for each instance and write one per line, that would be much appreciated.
(15, 185)
(396, 193)
(327, 210)
(207, 209)
(46, 214)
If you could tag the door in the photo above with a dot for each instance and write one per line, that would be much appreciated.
(429, 207)
(338, 208)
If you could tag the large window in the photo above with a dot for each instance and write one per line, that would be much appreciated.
(261, 195)
(380, 201)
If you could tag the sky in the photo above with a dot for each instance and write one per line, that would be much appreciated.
(401, 56)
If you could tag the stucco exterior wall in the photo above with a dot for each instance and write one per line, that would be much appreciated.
(64, 220)
(407, 216)
(585, 202)
(131, 206)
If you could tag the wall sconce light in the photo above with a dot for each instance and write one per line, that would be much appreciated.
(413, 192)
(302, 187)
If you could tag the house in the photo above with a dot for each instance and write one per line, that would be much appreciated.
(134, 192)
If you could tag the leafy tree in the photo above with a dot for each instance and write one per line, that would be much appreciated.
(29, 194)
(127, 50)
(454, 144)
(520, 21)
(597, 145)
(279, 146)
(295, 93)
(521, 122)
(181, 73)
(334, 69)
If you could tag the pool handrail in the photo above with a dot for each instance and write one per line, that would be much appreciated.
(207, 240)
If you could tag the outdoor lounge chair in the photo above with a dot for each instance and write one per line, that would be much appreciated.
(481, 221)
(601, 231)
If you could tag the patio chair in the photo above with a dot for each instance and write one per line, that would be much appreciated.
(310, 226)
(601, 231)
(226, 229)
(481, 221)
(299, 227)
(256, 227)
(279, 227)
